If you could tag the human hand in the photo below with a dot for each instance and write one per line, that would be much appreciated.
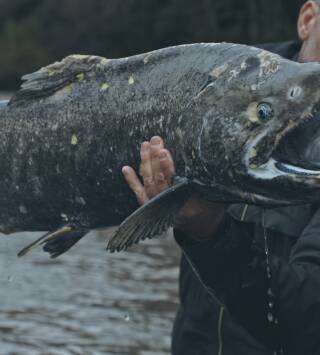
(197, 218)
(156, 170)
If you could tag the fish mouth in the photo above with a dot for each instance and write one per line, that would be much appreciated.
(297, 153)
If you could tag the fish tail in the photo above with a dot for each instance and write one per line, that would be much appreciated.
(57, 242)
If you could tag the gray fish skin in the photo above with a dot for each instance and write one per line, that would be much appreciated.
(70, 129)
(66, 134)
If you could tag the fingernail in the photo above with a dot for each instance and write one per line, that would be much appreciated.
(125, 170)
(162, 155)
(145, 145)
(155, 140)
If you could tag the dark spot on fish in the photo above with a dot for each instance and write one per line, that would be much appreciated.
(253, 126)
(312, 81)
(316, 109)
(209, 81)
(252, 64)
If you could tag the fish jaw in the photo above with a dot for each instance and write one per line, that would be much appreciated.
(288, 171)
(260, 163)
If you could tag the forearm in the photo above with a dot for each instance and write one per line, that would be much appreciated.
(200, 219)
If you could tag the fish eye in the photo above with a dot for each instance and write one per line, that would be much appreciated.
(264, 112)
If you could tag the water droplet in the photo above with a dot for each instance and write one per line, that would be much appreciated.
(270, 317)
(271, 304)
(81, 201)
(127, 318)
(10, 278)
(23, 209)
(64, 216)
(270, 293)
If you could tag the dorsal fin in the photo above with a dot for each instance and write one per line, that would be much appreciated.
(56, 76)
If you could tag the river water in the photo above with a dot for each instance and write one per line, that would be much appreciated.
(4, 95)
(87, 302)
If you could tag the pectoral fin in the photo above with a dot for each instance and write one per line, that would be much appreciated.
(57, 242)
(153, 218)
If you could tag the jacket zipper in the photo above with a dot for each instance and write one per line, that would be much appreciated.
(220, 340)
(221, 313)
(244, 213)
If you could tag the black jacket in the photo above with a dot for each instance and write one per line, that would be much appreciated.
(236, 300)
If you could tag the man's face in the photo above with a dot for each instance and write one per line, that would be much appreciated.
(309, 31)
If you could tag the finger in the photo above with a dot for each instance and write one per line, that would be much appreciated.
(161, 174)
(156, 144)
(167, 165)
(157, 141)
(145, 166)
(135, 184)
(146, 170)
(160, 182)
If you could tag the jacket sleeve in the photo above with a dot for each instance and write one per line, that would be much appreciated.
(235, 272)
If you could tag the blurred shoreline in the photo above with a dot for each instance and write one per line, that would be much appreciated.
(35, 33)
(5, 95)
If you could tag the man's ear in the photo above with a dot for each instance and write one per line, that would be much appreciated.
(307, 18)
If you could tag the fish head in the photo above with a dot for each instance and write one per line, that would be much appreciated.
(270, 123)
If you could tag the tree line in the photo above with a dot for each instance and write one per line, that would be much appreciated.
(34, 33)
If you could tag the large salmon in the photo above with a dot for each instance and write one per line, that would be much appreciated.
(241, 123)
